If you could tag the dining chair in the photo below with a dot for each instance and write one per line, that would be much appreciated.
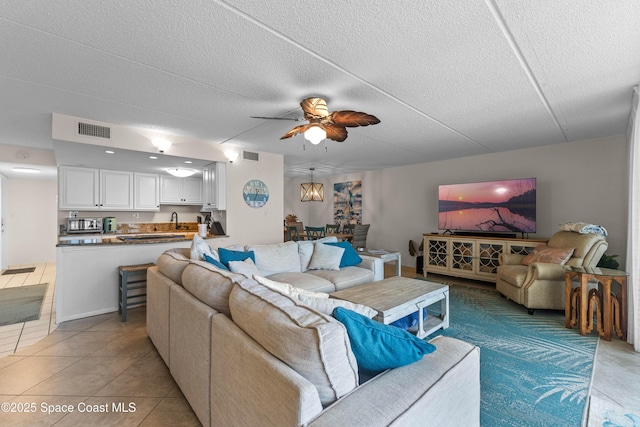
(332, 228)
(360, 236)
(293, 233)
(314, 233)
(348, 228)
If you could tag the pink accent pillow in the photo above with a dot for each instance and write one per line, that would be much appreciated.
(544, 253)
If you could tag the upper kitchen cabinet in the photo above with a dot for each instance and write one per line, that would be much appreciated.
(180, 191)
(146, 191)
(95, 189)
(214, 178)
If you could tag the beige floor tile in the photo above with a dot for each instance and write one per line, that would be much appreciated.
(80, 344)
(51, 339)
(171, 412)
(30, 371)
(8, 346)
(148, 377)
(135, 343)
(84, 324)
(9, 360)
(83, 378)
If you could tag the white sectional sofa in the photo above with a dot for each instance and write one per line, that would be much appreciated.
(245, 355)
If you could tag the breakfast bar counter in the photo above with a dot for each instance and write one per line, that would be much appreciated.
(87, 267)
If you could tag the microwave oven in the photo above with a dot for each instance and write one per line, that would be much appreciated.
(84, 225)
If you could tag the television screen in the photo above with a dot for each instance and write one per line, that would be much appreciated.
(494, 206)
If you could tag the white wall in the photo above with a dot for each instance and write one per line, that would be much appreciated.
(31, 227)
(578, 181)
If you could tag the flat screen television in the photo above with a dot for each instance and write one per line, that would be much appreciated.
(507, 206)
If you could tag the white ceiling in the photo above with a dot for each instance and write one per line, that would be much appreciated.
(446, 79)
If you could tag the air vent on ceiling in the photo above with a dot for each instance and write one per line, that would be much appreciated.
(248, 155)
(94, 130)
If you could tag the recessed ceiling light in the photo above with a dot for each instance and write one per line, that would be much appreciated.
(153, 157)
(109, 151)
(26, 170)
(188, 161)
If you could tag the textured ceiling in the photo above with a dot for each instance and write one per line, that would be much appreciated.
(446, 79)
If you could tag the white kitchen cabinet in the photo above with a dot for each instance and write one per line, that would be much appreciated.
(146, 192)
(180, 191)
(91, 189)
(79, 188)
(116, 190)
(214, 177)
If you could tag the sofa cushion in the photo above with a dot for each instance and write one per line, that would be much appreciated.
(378, 346)
(346, 277)
(350, 257)
(313, 344)
(287, 289)
(325, 257)
(306, 281)
(199, 248)
(544, 253)
(227, 255)
(172, 263)
(513, 273)
(246, 267)
(209, 284)
(273, 259)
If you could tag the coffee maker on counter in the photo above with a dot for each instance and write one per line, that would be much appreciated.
(109, 225)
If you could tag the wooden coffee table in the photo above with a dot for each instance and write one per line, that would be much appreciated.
(397, 297)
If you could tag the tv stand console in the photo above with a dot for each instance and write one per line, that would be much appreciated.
(472, 257)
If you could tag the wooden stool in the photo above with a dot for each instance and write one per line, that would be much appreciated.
(126, 285)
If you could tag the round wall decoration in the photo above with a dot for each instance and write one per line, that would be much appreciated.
(255, 193)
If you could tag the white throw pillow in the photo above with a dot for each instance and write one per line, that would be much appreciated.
(305, 250)
(199, 247)
(277, 258)
(287, 289)
(247, 268)
(326, 257)
(326, 305)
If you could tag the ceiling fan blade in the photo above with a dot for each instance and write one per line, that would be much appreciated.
(293, 132)
(350, 118)
(276, 118)
(314, 108)
(336, 133)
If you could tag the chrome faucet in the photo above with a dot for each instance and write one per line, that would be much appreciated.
(171, 220)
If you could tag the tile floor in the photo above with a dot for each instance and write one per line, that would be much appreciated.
(101, 363)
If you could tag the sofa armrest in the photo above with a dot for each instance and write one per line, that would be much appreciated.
(442, 389)
(374, 264)
(510, 259)
(546, 271)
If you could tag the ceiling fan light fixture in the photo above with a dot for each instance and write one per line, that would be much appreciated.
(181, 172)
(312, 191)
(315, 134)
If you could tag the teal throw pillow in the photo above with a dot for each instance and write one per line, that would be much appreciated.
(350, 257)
(227, 255)
(377, 346)
(215, 262)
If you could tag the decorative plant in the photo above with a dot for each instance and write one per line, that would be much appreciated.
(290, 219)
(608, 261)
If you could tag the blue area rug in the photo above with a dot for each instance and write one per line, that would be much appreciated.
(533, 371)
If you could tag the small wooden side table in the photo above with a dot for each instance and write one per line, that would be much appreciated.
(386, 256)
(612, 306)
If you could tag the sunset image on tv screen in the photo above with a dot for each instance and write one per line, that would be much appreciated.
(496, 206)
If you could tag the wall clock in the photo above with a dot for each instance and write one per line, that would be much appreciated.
(255, 193)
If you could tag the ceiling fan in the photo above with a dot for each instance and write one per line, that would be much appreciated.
(324, 124)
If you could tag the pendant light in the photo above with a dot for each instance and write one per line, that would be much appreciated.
(310, 191)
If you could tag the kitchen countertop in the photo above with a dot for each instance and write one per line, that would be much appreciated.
(126, 239)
